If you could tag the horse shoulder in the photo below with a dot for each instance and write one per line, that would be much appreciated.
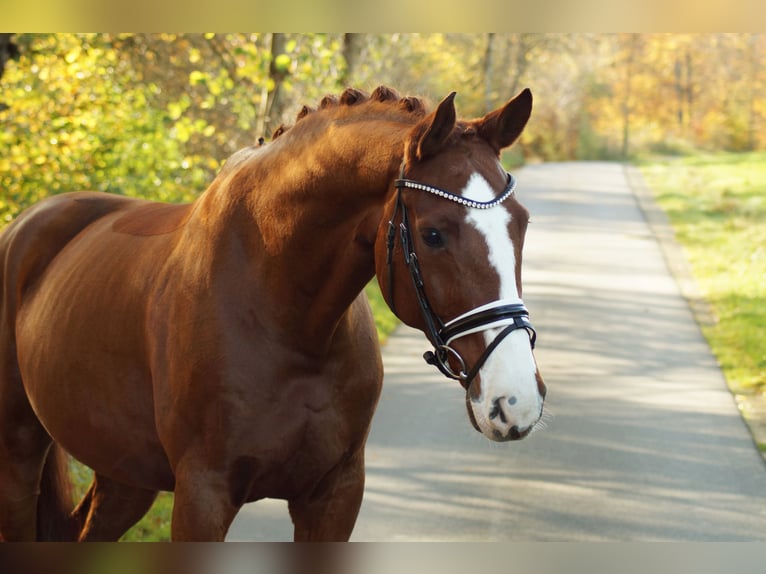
(361, 352)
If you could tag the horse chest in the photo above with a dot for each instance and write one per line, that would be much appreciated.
(278, 440)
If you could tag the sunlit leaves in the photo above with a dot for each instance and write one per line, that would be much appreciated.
(144, 114)
(153, 114)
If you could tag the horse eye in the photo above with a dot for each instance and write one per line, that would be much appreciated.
(432, 238)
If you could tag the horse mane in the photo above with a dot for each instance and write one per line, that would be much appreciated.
(352, 97)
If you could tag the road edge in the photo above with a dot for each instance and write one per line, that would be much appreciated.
(751, 407)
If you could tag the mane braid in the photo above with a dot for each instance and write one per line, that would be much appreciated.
(353, 97)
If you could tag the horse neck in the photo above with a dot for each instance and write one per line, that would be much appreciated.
(306, 220)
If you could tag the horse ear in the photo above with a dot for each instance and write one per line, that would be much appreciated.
(438, 127)
(501, 127)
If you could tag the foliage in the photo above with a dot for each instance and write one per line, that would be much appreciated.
(156, 114)
(718, 209)
(385, 320)
(74, 122)
(148, 115)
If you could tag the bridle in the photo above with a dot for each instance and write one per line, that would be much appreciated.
(509, 314)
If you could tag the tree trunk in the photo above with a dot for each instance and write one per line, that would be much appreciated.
(524, 43)
(752, 53)
(630, 57)
(8, 51)
(278, 74)
(487, 73)
(680, 96)
(271, 106)
(689, 89)
(352, 50)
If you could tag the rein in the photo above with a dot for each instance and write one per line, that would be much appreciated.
(509, 314)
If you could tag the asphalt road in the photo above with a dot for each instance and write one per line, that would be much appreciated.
(643, 439)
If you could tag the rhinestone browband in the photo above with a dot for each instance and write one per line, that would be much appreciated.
(509, 189)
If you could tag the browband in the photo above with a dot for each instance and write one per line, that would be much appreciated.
(510, 187)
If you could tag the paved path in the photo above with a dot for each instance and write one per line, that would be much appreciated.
(644, 441)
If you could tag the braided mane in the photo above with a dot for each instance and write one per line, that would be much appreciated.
(354, 97)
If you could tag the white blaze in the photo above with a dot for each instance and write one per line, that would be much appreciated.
(508, 377)
(493, 223)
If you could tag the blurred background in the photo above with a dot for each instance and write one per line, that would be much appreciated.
(157, 114)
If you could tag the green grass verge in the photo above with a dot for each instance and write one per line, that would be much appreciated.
(385, 320)
(717, 206)
(155, 525)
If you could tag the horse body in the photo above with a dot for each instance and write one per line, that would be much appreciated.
(205, 281)
(68, 309)
(224, 349)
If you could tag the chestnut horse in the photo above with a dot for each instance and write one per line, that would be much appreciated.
(225, 350)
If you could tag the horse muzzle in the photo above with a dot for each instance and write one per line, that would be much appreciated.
(505, 400)
(499, 424)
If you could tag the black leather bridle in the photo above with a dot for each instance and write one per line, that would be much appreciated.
(511, 315)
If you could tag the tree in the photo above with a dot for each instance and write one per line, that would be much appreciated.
(352, 54)
(8, 51)
(157, 114)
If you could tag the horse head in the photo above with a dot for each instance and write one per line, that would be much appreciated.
(448, 260)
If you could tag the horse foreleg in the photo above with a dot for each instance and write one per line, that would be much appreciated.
(110, 508)
(203, 508)
(329, 513)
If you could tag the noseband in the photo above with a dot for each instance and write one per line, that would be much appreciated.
(509, 314)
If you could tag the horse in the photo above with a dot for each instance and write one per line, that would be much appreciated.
(225, 350)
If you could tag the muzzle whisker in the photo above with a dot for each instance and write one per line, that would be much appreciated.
(542, 423)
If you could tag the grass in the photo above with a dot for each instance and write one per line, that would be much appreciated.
(717, 206)
(155, 525)
(385, 320)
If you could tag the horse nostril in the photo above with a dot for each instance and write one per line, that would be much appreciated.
(497, 410)
(514, 433)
